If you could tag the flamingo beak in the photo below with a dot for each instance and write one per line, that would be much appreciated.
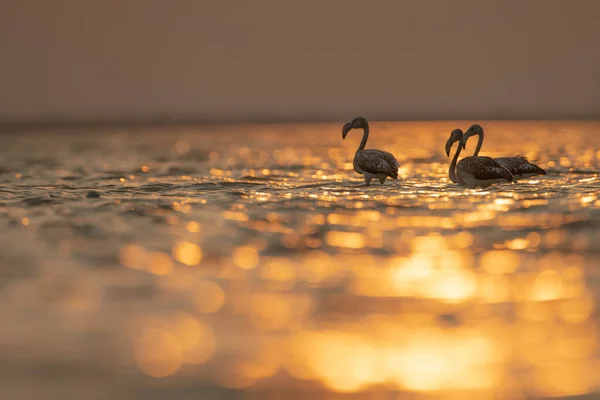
(346, 129)
(448, 147)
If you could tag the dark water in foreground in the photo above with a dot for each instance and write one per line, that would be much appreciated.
(250, 262)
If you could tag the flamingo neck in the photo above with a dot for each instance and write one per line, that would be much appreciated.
(479, 143)
(452, 170)
(365, 137)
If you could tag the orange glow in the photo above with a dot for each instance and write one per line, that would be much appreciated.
(425, 361)
(502, 204)
(536, 311)
(280, 270)
(500, 262)
(187, 253)
(452, 286)
(566, 379)
(429, 244)
(433, 271)
(518, 244)
(350, 240)
(192, 227)
(133, 256)
(235, 216)
(495, 288)
(160, 263)
(463, 240)
(297, 358)
(195, 338)
(554, 237)
(534, 239)
(158, 353)
(344, 363)
(576, 310)
(411, 272)
(272, 311)
(432, 363)
(547, 286)
(245, 257)
(262, 365)
(320, 269)
(573, 281)
(587, 199)
(208, 297)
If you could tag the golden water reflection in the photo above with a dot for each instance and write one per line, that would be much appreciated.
(263, 264)
(425, 290)
(508, 310)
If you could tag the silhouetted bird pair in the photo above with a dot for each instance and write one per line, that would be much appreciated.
(474, 171)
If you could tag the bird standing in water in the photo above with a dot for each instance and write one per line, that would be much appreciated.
(371, 163)
(474, 171)
(519, 166)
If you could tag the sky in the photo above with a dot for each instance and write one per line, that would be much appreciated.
(278, 60)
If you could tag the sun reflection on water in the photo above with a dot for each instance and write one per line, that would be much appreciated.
(265, 263)
(438, 264)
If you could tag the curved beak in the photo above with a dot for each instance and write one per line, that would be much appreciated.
(448, 147)
(346, 129)
(466, 137)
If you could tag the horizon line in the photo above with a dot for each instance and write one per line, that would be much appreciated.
(91, 123)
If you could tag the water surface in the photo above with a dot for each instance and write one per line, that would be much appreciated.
(251, 261)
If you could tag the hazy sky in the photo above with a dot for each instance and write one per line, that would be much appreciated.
(292, 59)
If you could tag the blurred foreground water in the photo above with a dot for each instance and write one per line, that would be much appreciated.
(252, 262)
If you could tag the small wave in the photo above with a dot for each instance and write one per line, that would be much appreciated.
(38, 200)
(157, 187)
